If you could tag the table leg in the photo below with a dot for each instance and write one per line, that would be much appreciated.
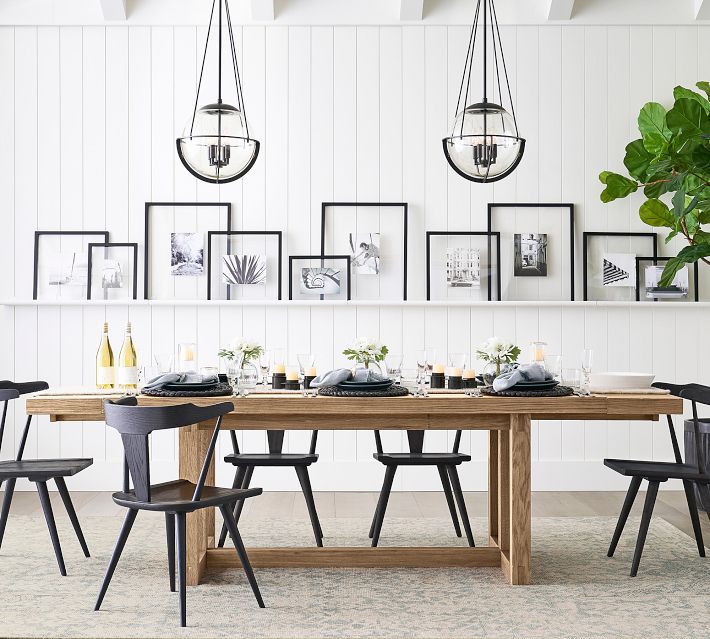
(493, 486)
(503, 490)
(520, 497)
(193, 444)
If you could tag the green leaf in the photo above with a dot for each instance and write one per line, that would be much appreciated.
(658, 186)
(637, 160)
(671, 235)
(653, 128)
(704, 86)
(678, 202)
(704, 216)
(672, 267)
(656, 213)
(687, 119)
(701, 159)
(617, 186)
(682, 92)
(694, 252)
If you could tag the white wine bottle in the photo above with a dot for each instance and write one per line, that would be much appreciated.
(104, 362)
(127, 363)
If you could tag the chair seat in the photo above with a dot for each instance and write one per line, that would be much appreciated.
(43, 469)
(271, 459)
(421, 459)
(655, 470)
(176, 496)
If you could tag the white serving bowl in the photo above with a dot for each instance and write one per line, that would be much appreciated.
(620, 380)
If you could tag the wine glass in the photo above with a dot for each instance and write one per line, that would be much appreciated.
(421, 366)
(264, 366)
(393, 366)
(430, 354)
(587, 358)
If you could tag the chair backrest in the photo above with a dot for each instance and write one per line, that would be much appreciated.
(136, 423)
(416, 441)
(675, 390)
(12, 390)
(275, 440)
(697, 394)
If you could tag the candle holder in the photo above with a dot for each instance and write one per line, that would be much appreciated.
(455, 382)
(278, 381)
(469, 382)
(438, 380)
(292, 384)
(537, 352)
(187, 357)
(307, 379)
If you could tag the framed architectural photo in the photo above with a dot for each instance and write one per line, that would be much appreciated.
(684, 288)
(61, 264)
(462, 265)
(244, 265)
(112, 271)
(174, 247)
(313, 277)
(374, 235)
(609, 263)
(536, 259)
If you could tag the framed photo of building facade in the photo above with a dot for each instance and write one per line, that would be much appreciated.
(112, 271)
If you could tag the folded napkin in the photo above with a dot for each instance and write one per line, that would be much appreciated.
(171, 379)
(335, 377)
(534, 372)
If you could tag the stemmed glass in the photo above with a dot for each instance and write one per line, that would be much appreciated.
(430, 360)
(306, 361)
(421, 367)
(264, 366)
(587, 359)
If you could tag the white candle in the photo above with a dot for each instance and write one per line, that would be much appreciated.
(438, 368)
(311, 372)
(292, 376)
(279, 368)
(469, 374)
(455, 372)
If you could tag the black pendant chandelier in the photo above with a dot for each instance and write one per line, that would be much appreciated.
(216, 146)
(484, 145)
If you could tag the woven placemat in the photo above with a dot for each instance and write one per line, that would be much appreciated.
(219, 390)
(557, 391)
(337, 391)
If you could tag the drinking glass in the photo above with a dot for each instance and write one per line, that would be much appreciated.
(209, 371)
(163, 362)
(305, 362)
(430, 360)
(421, 366)
(457, 360)
(553, 365)
(587, 358)
(248, 379)
(571, 377)
(233, 373)
(264, 366)
(393, 366)
(147, 373)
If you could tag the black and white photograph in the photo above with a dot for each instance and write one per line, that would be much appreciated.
(530, 251)
(244, 269)
(320, 281)
(677, 289)
(111, 273)
(618, 270)
(69, 269)
(186, 254)
(463, 267)
(365, 253)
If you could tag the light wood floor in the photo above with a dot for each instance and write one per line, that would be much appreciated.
(671, 505)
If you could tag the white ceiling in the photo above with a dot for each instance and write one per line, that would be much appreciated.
(356, 12)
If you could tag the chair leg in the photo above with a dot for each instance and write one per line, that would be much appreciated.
(237, 483)
(704, 490)
(118, 549)
(645, 521)
(7, 500)
(249, 471)
(302, 472)
(51, 525)
(182, 565)
(382, 503)
(170, 536)
(449, 497)
(241, 551)
(69, 506)
(456, 486)
(372, 525)
(693, 509)
(624, 514)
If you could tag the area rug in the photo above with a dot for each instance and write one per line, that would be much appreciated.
(577, 591)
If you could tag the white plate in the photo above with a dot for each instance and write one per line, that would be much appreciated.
(621, 380)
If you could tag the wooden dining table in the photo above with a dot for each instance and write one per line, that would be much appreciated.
(507, 419)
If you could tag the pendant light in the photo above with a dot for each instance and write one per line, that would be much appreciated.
(216, 146)
(484, 145)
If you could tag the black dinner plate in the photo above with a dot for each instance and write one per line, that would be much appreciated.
(366, 385)
(178, 387)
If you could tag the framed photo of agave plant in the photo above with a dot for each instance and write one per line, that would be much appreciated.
(244, 265)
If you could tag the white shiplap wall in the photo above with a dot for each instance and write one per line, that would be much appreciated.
(347, 113)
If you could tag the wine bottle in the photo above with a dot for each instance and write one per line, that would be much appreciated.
(104, 362)
(127, 363)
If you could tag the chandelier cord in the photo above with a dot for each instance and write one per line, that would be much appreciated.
(468, 65)
(202, 68)
(505, 71)
(237, 76)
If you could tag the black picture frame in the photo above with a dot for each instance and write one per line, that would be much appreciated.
(229, 234)
(294, 258)
(655, 260)
(488, 234)
(538, 205)
(146, 245)
(585, 251)
(103, 234)
(130, 245)
(405, 212)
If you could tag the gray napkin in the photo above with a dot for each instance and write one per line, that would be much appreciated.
(534, 372)
(180, 378)
(335, 377)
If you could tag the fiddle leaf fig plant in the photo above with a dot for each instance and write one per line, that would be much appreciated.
(671, 159)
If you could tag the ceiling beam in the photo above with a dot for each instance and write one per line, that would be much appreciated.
(113, 9)
(262, 10)
(411, 9)
(702, 9)
(560, 9)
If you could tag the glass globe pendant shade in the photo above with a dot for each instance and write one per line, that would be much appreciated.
(484, 145)
(216, 146)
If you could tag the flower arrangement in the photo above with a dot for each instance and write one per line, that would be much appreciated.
(498, 352)
(248, 350)
(365, 350)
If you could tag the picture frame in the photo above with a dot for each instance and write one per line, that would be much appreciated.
(403, 206)
(654, 260)
(133, 248)
(487, 264)
(559, 281)
(150, 207)
(211, 235)
(295, 258)
(104, 235)
(587, 235)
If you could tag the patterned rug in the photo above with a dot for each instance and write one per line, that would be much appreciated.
(578, 591)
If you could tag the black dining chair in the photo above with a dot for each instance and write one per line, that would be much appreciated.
(446, 463)
(656, 472)
(38, 471)
(174, 498)
(246, 462)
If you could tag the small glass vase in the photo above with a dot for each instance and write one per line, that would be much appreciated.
(491, 370)
(248, 377)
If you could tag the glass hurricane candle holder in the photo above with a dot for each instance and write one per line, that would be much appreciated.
(187, 357)
(537, 352)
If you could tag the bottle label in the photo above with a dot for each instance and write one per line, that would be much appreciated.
(104, 375)
(127, 375)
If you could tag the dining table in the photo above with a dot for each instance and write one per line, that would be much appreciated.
(507, 420)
